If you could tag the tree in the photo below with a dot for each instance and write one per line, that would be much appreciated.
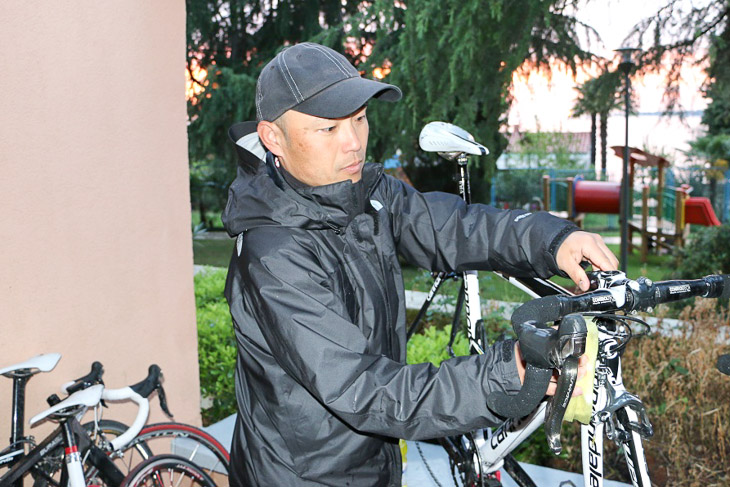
(598, 96)
(454, 61)
(683, 33)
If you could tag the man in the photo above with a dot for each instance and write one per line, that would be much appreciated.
(316, 291)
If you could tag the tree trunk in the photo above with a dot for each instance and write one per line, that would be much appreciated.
(604, 136)
(593, 141)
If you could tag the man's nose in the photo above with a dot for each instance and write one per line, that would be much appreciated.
(351, 138)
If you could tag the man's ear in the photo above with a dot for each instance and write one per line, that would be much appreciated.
(271, 136)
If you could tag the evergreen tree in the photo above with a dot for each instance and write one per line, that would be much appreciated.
(454, 61)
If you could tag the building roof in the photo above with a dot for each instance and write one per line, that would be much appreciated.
(574, 142)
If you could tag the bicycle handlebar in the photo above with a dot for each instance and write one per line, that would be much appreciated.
(545, 349)
(144, 388)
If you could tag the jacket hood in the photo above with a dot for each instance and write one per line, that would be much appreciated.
(261, 196)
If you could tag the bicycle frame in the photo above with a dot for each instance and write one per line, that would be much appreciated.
(75, 438)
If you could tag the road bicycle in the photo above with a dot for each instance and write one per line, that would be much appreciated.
(477, 457)
(190, 442)
(454, 143)
(41, 461)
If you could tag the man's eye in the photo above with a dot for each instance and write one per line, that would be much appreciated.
(327, 129)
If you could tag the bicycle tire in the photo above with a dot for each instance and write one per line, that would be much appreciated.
(167, 470)
(189, 442)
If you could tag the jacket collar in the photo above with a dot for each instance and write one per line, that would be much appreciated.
(337, 203)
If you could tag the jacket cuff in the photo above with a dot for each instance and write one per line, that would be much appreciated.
(555, 245)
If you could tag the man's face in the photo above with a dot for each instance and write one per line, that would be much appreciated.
(319, 151)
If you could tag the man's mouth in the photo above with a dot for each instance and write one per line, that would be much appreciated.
(353, 168)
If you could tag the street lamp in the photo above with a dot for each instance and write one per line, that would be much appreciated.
(626, 66)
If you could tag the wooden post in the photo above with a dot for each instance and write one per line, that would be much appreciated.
(644, 223)
(546, 192)
(679, 222)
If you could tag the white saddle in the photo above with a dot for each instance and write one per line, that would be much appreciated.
(40, 363)
(449, 140)
(86, 397)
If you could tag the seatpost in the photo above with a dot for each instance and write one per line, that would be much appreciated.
(20, 379)
(18, 411)
(464, 186)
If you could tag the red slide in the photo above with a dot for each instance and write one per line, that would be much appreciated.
(698, 210)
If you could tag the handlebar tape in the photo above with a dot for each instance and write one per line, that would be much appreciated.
(523, 403)
(540, 347)
(537, 379)
(542, 310)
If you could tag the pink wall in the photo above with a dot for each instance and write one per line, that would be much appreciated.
(95, 240)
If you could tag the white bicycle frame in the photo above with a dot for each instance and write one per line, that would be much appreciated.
(473, 309)
(91, 397)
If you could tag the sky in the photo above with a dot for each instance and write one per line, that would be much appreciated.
(546, 104)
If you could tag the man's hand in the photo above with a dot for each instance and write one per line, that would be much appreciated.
(580, 246)
(582, 370)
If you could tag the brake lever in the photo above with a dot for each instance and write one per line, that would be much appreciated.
(163, 401)
(559, 403)
(572, 335)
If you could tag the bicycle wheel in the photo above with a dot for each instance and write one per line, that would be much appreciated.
(167, 470)
(189, 442)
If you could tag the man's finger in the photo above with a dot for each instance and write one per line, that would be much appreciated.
(578, 275)
(600, 255)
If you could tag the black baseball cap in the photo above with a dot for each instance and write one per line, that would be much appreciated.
(315, 80)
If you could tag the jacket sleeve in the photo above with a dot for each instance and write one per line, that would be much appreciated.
(305, 325)
(438, 231)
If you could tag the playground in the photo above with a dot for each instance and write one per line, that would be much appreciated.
(665, 201)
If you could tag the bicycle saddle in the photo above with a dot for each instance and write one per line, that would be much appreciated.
(449, 140)
(40, 363)
(83, 398)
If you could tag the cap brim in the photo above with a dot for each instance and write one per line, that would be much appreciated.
(347, 96)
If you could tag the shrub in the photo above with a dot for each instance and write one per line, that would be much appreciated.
(216, 347)
(708, 252)
(688, 400)
(430, 346)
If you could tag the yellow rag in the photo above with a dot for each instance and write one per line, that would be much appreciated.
(580, 407)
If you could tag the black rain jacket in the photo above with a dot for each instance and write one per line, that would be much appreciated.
(316, 294)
